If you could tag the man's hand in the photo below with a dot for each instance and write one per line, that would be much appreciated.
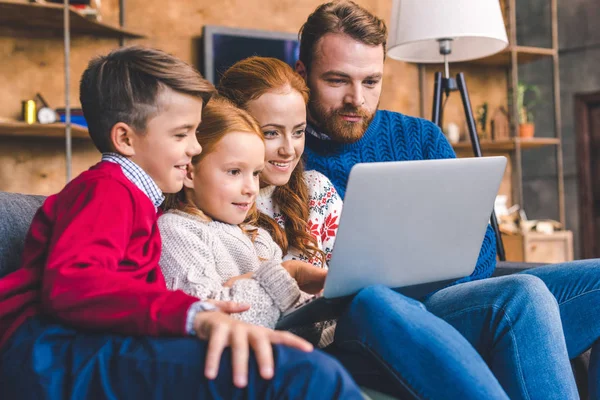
(231, 281)
(221, 331)
(310, 279)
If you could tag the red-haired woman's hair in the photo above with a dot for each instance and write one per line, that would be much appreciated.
(245, 81)
(219, 117)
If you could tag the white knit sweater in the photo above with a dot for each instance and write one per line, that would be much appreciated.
(198, 257)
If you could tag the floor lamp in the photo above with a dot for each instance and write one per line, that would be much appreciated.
(443, 31)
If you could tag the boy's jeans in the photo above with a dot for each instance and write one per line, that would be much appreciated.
(513, 322)
(49, 361)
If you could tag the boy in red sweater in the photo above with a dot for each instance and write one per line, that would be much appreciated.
(88, 314)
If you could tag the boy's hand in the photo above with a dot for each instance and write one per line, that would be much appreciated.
(310, 279)
(221, 331)
(231, 281)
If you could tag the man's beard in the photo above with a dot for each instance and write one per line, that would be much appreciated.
(333, 125)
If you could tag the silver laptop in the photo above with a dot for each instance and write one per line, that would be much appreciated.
(411, 225)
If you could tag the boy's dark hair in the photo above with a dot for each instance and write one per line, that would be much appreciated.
(124, 85)
(344, 17)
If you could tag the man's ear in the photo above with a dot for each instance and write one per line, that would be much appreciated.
(301, 69)
(188, 181)
(122, 138)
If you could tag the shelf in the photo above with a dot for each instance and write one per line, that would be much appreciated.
(508, 145)
(49, 17)
(524, 55)
(42, 131)
(502, 59)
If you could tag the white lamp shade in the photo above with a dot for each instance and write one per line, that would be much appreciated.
(476, 27)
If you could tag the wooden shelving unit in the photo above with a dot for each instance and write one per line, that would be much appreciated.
(509, 59)
(41, 131)
(516, 58)
(54, 20)
(49, 17)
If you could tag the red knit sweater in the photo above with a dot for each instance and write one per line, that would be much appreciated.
(91, 262)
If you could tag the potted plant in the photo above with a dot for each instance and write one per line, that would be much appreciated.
(526, 123)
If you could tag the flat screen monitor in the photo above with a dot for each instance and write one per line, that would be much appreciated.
(223, 47)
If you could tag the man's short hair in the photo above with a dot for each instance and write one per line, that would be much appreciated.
(344, 17)
(124, 85)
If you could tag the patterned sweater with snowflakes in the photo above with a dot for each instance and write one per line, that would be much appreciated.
(324, 215)
(325, 209)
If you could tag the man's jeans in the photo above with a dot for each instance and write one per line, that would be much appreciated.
(390, 342)
(49, 361)
(513, 323)
(576, 286)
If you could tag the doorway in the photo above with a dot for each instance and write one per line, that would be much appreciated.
(587, 118)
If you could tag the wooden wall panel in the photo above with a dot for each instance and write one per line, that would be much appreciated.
(38, 167)
(172, 30)
(485, 84)
(33, 63)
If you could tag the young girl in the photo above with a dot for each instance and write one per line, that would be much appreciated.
(305, 204)
(210, 249)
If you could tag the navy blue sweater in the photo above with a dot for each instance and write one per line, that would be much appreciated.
(391, 136)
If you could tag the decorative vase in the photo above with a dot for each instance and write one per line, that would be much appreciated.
(526, 131)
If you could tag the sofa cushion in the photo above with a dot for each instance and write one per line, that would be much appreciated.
(16, 213)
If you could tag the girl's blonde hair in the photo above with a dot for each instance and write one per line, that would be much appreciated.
(245, 81)
(219, 118)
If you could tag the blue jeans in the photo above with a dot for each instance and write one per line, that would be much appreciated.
(49, 361)
(515, 324)
(390, 342)
(484, 339)
(576, 287)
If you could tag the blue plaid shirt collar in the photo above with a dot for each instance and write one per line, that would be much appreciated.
(138, 176)
(314, 132)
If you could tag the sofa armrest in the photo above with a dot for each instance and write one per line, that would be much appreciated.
(16, 212)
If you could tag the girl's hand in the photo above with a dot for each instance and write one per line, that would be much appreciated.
(310, 279)
(229, 307)
(231, 281)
